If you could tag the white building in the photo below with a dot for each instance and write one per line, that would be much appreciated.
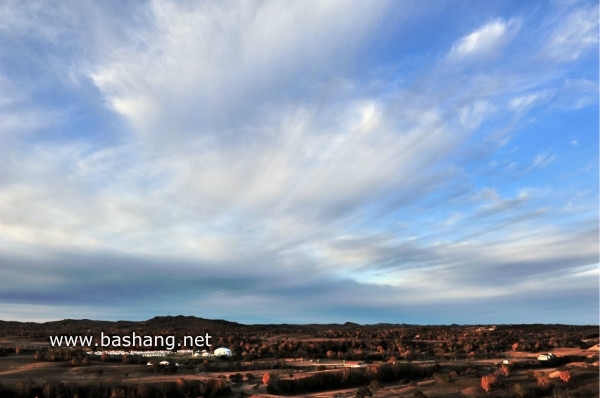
(546, 357)
(219, 352)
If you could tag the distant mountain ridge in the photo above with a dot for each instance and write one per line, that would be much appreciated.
(158, 325)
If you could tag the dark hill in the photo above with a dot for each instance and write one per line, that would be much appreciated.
(188, 321)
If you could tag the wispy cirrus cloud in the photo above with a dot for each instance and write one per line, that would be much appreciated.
(227, 153)
(485, 40)
(574, 33)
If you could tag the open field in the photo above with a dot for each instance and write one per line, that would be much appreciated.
(315, 360)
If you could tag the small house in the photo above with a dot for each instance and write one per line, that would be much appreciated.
(546, 357)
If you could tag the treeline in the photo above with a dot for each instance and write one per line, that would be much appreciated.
(414, 343)
(342, 342)
(75, 355)
(181, 388)
(348, 378)
(236, 366)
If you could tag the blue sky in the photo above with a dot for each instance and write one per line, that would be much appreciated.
(263, 162)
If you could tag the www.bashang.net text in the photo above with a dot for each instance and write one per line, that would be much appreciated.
(131, 340)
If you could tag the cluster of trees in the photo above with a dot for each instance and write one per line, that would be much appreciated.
(498, 382)
(181, 388)
(75, 355)
(347, 378)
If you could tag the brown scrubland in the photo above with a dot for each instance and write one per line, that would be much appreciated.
(333, 360)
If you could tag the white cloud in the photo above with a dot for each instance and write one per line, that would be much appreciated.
(257, 138)
(521, 259)
(485, 40)
(473, 115)
(573, 33)
(577, 94)
(189, 66)
(18, 111)
(22, 19)
(542, 160)
(525, 102)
